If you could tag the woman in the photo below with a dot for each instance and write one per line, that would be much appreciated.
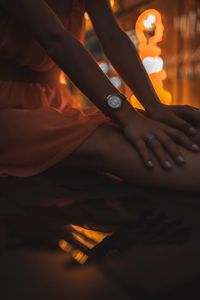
(40, 127)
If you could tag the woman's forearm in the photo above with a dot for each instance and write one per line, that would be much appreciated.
(81, 68)
(124, 57)
(67, 52)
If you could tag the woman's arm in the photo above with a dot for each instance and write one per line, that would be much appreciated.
(68, 53)
(124, 57)
(77, 63)
(121, 52)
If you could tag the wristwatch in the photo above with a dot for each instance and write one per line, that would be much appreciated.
(114, 102)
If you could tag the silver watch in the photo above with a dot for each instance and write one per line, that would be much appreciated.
(114, 102)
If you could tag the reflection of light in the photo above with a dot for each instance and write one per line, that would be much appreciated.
(153, 64)
(150, 21)
(91, 234)
(85, 237)
(116, 81)
(81, 239)
(65, 246)
(77, 255)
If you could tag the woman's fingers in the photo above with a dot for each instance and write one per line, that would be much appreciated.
(187, 112)
(182, 125)
(171, 148)
(140, 145)
(162, 147)
(144, 152)
(161, 139)
(170, 117)
(160, 153)
(182, 139)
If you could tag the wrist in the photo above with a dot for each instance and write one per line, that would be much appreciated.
(126, 113)
(155, 108)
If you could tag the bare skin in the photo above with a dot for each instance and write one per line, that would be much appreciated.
(98, 151)
(118, 157)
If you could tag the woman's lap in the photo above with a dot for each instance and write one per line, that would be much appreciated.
(108, 150)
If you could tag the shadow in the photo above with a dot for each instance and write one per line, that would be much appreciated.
(103, 236)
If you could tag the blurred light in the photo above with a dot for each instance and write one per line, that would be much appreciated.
(153, 64)
(104, 67)
(84, 241)
(88, 23)
(188, 24)
(149, 29)
(112, 3)
(77, 255)
(116, 81)
(86, 237)
(133, 37)
(96, 236)
(63, 78)
(86, 16)
(149, 23)
(65, 246)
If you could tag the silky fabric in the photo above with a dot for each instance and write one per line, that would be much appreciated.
(39, 123)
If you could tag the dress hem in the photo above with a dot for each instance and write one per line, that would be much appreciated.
(56, 159)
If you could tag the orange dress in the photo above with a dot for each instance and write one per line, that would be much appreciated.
(39, 127)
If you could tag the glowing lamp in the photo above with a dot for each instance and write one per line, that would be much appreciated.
(149, 30)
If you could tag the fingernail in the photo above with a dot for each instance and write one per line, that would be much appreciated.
(195, 147)
(150, 164)
(180, 159)
(168, 164)
(192, 130)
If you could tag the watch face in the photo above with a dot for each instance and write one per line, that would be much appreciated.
(114, 101)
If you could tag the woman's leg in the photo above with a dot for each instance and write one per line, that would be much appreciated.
(108, 150)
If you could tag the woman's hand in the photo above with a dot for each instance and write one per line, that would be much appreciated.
(187, 113)
(147, 134)
(183, 118)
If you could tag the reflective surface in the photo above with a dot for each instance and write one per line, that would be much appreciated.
(87, 236)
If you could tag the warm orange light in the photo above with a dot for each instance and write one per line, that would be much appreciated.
(63, 78)
(113, 4)
(149, 30)
(77, 255)
(86, 237)
(96, 236)
(88, 23)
